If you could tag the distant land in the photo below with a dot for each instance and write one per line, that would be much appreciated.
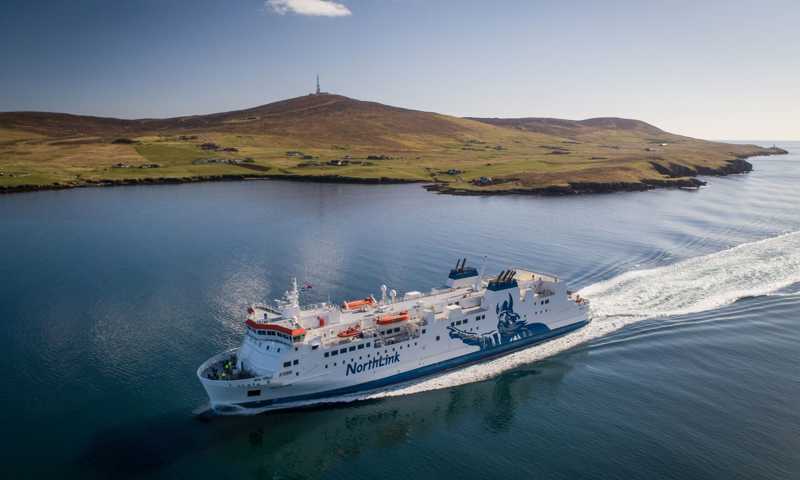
(332, 138)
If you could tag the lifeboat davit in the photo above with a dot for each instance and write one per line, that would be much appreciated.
(357, 304)
(353, 331)
(390, 319)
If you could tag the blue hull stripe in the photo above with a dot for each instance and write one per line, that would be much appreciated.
(423, 371)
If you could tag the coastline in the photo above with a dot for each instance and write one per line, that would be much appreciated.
(676, 176)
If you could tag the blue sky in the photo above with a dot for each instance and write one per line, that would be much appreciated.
(711, 69)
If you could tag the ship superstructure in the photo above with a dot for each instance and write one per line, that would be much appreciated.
(293, 354)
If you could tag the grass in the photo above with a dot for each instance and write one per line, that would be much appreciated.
(421, 146)
(34, 160)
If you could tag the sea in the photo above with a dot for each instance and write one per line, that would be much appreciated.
(110, 298)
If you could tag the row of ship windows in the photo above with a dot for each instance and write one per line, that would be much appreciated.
(369, 355)
(360, 347)
(466, 320)
(273, 334)
(345, 350)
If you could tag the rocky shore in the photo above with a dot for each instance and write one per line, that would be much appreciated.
(202, 178)
(679, 176)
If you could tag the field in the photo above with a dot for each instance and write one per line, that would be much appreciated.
(337, 138)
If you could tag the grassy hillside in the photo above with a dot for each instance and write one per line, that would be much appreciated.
(334, 137)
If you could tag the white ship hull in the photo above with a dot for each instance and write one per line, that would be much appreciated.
(350, 353)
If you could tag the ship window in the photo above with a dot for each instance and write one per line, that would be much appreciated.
(335, 352)
(367, 344)
(360, 346)
(327, 354)
(314, 347)
(271, 333)
(397, 329)
(326, 365)
(465, 320)
(295, 362)
(253, 393)
(423, 331)
(287, 364)
(261, 332)
(344, 350)
(352, 348)
(437, 338)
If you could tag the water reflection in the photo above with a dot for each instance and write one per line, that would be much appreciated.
(307, 442)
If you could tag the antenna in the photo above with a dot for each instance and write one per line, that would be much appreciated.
(480, 273)
(317, 84)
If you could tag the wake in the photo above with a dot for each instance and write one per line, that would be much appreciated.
(690, 286)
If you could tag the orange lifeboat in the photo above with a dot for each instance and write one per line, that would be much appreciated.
(390, 319)
(357, 304)
(353, 331)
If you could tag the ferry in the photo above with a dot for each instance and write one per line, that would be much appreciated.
(293, 355)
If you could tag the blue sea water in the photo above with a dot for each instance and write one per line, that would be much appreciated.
(111, 297)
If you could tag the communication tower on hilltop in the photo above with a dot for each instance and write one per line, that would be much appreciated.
(318, 84)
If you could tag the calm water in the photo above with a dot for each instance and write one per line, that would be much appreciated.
(110, 298)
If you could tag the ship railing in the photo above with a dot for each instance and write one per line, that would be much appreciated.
(313, 306)
(223, 367)
(535, 276)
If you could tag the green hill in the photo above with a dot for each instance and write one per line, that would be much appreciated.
(335, 138)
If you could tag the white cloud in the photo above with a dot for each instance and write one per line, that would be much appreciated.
(318, 8)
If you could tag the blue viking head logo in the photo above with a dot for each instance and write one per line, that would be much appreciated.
(508, 321)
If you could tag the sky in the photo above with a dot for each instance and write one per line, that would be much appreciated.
(710, 69)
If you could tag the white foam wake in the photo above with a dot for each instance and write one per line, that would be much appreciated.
(689, 286)
(701, 283)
